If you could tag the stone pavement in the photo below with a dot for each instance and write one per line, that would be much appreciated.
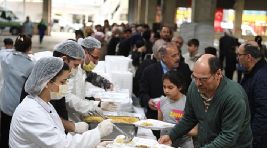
(48, 43)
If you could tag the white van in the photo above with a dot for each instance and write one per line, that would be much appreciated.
(9, 22)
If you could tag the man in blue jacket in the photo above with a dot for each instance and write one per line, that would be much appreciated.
(255, 84)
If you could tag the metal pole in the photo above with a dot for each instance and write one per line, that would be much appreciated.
(5, 4)
(24, 8)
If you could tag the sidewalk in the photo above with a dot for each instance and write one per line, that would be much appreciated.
(48, 43)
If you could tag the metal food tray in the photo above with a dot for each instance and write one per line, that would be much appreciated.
(126, 127)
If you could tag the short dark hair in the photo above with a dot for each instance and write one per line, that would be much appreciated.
(140, 43)
(8, 41)
(79, 32)
(214, 64)
(194, 42)
(175, 77)
(23, 43)
(167, 26)
(128, 30)
(156, 35)
(258, 39)
(211, 50)
(254, 51)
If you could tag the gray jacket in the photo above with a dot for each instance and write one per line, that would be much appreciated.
(16, 67)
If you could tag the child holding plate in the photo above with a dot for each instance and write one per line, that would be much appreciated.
(171, 107)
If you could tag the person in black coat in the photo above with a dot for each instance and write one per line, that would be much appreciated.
(255, 85)
(149, 59)
(151, 86)
(125, 45)
(227, 47)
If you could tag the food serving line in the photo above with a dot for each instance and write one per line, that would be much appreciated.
(125, 116)
(129, 118)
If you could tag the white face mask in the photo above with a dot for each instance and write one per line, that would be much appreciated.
(63, 89)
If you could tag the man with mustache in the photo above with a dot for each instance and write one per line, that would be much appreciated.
(151, 79)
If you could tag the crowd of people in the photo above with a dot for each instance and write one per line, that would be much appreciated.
(41, 103)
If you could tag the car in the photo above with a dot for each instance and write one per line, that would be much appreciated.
(61, 24)
(9, 22)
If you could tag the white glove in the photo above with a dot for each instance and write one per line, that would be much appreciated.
(105, 127)
(109, 106)
(81, 127)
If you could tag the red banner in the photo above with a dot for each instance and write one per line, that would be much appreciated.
(218, 19)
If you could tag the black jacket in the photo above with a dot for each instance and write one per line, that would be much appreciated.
(139, 72)
(255, 85)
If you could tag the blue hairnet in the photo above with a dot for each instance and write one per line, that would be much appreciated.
(44, 70)
(91, 43)
(70, 48)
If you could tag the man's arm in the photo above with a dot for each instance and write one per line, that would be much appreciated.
(98, 80)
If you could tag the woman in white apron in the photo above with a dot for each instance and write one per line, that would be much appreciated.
(35, 122)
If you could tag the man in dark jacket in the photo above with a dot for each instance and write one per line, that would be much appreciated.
(154, 58)
(255, 85)
(227, 47)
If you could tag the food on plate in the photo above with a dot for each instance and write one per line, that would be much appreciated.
(154, 124)
(142, 146)
(115, 119)
(136, 143)
(120, 139)
(146, 124)
(165, 125)
(104, 144)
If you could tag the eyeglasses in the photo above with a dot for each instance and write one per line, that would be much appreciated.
(94, 57)
(202, 80)
(240, 54)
